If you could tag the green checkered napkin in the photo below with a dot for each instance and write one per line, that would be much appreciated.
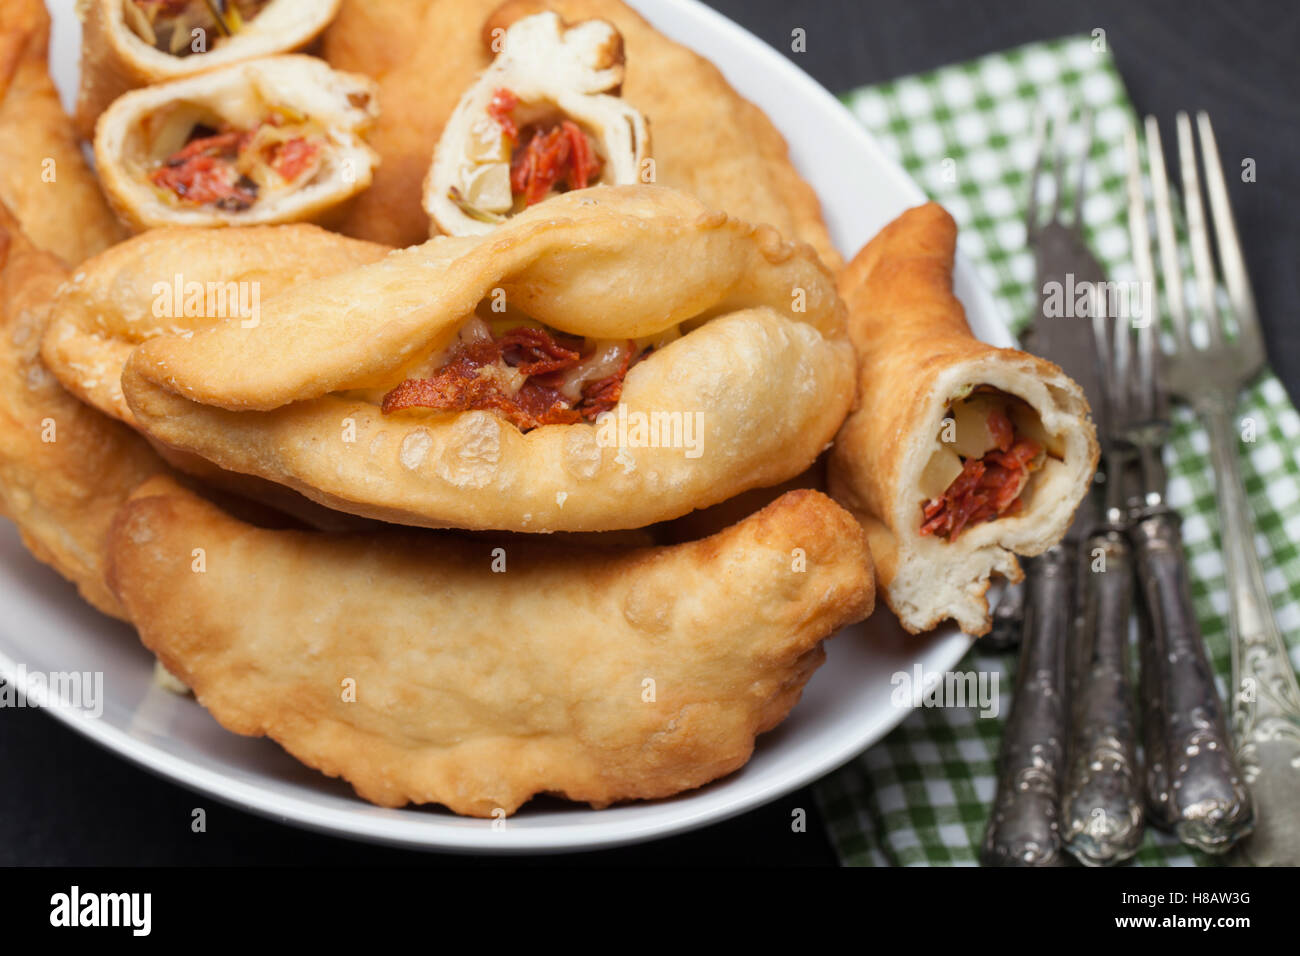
(965, 133)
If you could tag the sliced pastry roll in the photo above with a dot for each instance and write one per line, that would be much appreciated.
(608, 359)
(127, 44)
(268, 141)
(959, 455)
(544, 118)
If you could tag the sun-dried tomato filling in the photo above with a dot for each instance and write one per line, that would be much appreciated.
(529, 376)
(228, 168)
(988, 487)
(545, 157)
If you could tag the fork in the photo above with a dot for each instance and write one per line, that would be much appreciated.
(1194, 786)
(1265, 698)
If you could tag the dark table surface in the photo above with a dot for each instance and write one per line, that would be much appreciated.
(65, 801)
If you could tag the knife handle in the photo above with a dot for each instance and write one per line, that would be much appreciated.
(1194, 786)
(1102, 806)
(1024, 827)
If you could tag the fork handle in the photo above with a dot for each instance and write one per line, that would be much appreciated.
(1266, 701)
(1024, 827)
(1102, 806)
(1193, 784)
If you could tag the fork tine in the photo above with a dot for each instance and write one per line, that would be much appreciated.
(1140, 236)
(1202, 265)
(1122, 371)
(1035, 174)
(1105, 365)
(1225, 231)
(1085, 120)
(1168, 241)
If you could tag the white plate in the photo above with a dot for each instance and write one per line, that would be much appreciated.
(845, 708)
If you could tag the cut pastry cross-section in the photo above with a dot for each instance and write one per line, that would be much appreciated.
(231, 168)
(185, 27)
(268, 141)
(990, 447)
(541, 120)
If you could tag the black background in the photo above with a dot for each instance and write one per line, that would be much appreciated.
(64, 801)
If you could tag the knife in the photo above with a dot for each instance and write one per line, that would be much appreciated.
(1025, 827)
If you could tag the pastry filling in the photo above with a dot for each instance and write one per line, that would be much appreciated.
(527, 373)
(213, 164)
(990, 443)
(519, 155)
(182, 27)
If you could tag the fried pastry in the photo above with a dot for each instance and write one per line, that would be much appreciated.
(611, 358)
(708, 140)
(44, 180)
(176, 281)
(540, 120)
(64, 467)
(267, 141)
(959, 455)
(126, 44)
(405, 664)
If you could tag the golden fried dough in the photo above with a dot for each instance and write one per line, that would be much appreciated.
(424, 54)
(762, 383)
(403, 663)
(708, 140)
(178, 280)
(64, 467)
(917, 363)
(43, 178)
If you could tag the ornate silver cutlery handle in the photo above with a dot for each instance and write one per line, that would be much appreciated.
(1266, 702)
(1024, 828)
(1102, 804)
(1193, 784)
